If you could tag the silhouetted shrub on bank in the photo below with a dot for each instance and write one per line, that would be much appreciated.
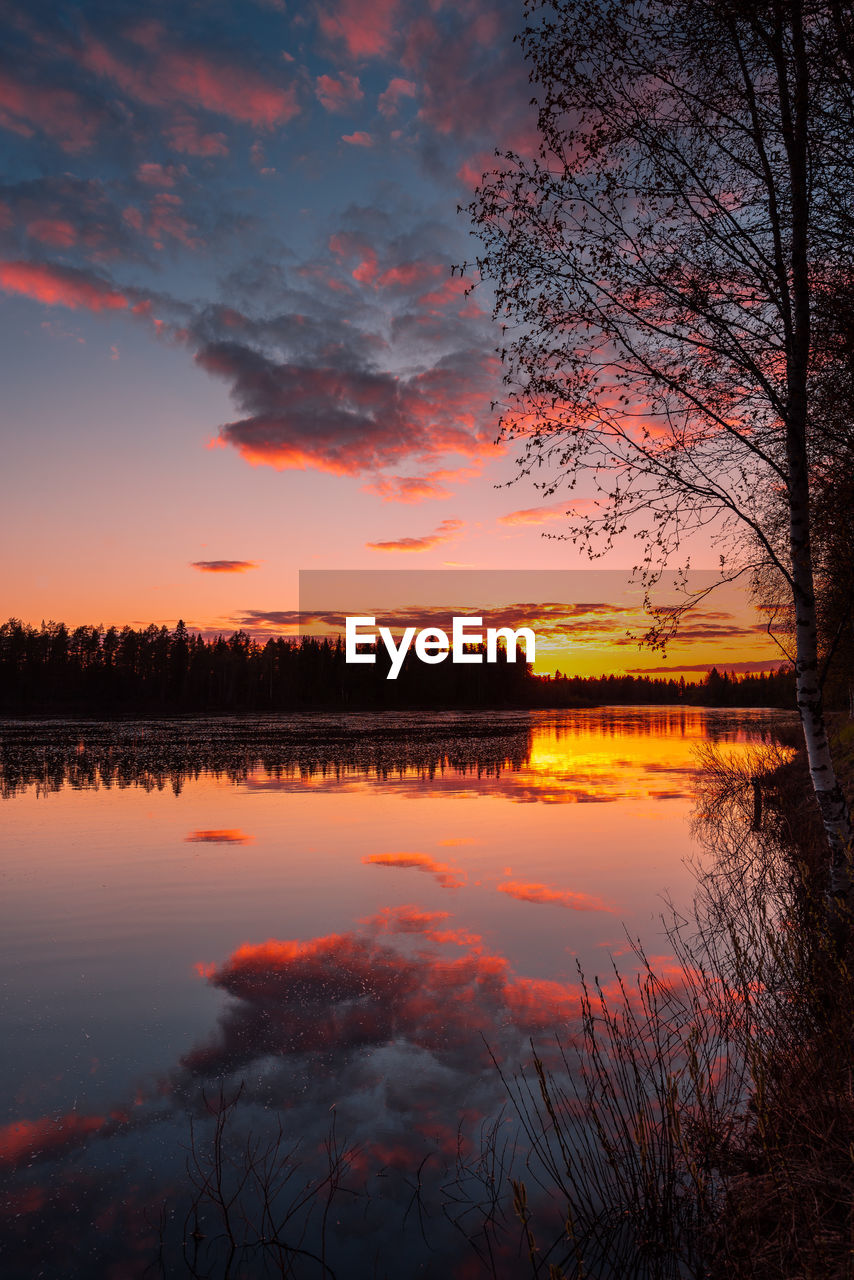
(702, 1124)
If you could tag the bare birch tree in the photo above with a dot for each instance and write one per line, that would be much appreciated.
(658, 269)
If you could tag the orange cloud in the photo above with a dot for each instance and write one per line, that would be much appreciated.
(62, 286)
(407, 919)
(446, 532)
(358, 139)
(530, 891)
(224, 835)
(348, 992)
(552, 511)
(448, 876)
(224, 566)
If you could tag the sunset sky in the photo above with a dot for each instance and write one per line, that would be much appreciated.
(234, 346)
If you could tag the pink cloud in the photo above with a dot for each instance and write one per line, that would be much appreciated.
(163, 219)
(531, 891)
(447, 531)
(358, 139)
(366, 271)
(420, 488)
(471, 171)
(409, 919)
(450, 290)
(398, 88)
(61, 286)
(407, 488)
(410, 275)
(401, 276)
(166, 219)
(473, 86)
(338, 93)
(63, 115)
(185, 135)
(191, 78)
(133, 217)
(159, 175)
(54, 231)
(343, 244)
(366, 27)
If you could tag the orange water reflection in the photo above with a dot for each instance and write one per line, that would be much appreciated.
(545, 831)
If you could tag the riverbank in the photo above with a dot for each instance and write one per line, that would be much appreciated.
(709, 1130)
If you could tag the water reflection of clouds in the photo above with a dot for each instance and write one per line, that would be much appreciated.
(533, 891)
(448, 877)
(219, 835)
(395, 1022)
(22, 1141)
(394, 1027)
(320, 1018)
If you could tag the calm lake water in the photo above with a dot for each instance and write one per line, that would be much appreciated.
(341, 919)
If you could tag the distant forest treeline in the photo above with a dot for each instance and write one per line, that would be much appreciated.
(54, 670)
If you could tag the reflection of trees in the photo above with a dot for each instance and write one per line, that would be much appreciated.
(157, 754)
(251, 1207)
(283, 752)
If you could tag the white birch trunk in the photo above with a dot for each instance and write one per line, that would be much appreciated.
(829, 795)
(795, 108)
